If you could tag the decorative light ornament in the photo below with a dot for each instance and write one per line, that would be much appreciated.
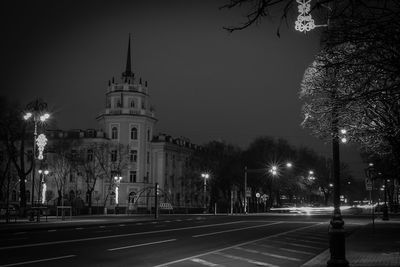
(41, 142)
(304, 22)
(44, 188)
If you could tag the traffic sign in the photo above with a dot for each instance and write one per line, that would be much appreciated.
(368, 184)
(248, 192)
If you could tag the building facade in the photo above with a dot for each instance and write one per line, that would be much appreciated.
(118, 165)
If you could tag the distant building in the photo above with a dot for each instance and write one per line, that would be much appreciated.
(130, 150)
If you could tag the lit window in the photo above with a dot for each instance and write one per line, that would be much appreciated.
(148, 135)
(134, 133)
(114, 133)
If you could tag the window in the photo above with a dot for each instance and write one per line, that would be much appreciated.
(134, 133)
(173, 161)
(114, 133)
(143, 104)
(146, 178)
(148, 135)
(90, 155)
(132, 176)
(133, 156)
(132, 103)
(14, 196)
(113, 155)
(148, 157)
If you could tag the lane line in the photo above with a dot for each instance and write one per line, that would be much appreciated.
(303, 240)
(267, 254)
(240, 244)
(295, 244)
(79, 228)
(206, 263)
(52, 230)
(141, 245)
(258, 263)
(236, 229)
(19, 233)
(297, 251)
(121, 225)
(36, 261)
(115, 236)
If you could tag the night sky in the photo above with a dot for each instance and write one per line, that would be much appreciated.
(205, 83)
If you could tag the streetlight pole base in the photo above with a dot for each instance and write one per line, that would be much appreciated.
(337, 242)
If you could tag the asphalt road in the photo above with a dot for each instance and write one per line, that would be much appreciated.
(175, 241)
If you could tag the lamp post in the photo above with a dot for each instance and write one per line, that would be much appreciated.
(205, 176)
(36, 112)
(117, 180)
(42, 183)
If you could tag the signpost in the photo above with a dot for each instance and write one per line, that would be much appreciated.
(368, 187)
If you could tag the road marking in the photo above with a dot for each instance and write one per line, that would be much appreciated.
(303, 240)
(267, 254)
(19, 233)
(141, 245)
(178, 220)
(295, 244)
(102, 226)
(122, 225)
(139, 223)
(206, 263)
(167, 221)
(52, 230)
(297, 251)
(154, 222)
(241, 244)
(115, 236)
(35, 261)
(79, 228)
(236, 229)
(259, 263)
(102, 231)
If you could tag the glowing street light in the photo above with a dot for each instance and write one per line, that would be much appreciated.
(289, 165)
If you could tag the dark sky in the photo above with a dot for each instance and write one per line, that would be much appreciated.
(205, 83)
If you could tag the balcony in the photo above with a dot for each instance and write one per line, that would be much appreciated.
(128, 111)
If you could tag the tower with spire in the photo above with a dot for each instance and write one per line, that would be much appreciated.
(129, 120)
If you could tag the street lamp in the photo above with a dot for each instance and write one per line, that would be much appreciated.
(205, 176)
(117, 180)
(37, 114)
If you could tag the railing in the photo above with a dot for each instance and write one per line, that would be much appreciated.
(129, 111)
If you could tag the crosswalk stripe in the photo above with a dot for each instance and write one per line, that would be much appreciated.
(307, 241)
(295, 244)
(206, 263)
(268, 254)
(259, 263)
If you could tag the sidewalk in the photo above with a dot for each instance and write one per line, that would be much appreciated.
(366, 247)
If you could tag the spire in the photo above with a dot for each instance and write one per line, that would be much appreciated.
(128, 71)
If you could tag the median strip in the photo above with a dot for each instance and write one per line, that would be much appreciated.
(141, 245)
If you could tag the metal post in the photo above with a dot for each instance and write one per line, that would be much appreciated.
(33, 167)
(245, 189)
(336, 230)
(385, 215)
(156, 201)
(204, 195)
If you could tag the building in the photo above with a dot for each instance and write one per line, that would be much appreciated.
(118, 165)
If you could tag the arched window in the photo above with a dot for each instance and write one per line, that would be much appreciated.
(134, 133)
(132, 103)
(114, 133)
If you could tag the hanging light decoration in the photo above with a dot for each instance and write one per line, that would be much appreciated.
(41, 142)
(304, 21)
